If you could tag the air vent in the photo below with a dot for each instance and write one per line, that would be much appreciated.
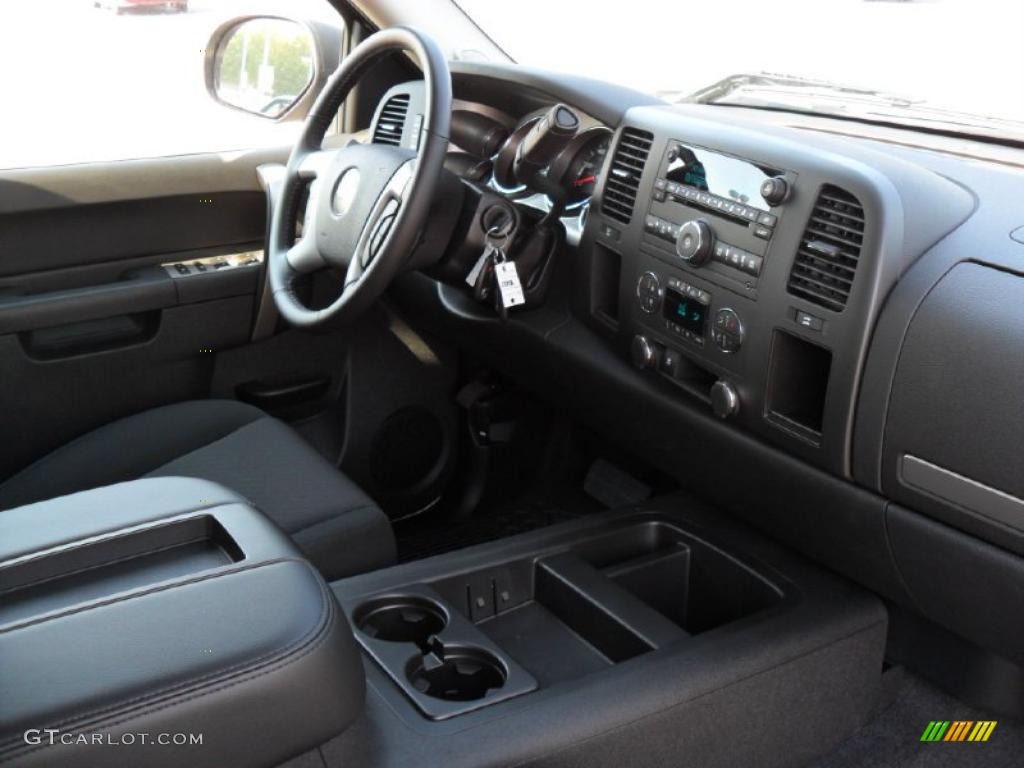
(623, 180)
(826, 262)
(391, 122)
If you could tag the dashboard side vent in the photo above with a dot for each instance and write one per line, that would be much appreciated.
(826, 261)
(623, 180)
(391, 122)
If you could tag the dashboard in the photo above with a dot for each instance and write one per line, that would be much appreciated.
(816, 325)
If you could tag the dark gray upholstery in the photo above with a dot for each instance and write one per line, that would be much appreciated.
(337, 525)
(140, 613)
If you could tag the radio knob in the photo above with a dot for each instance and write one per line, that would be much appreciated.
(775, 190)
(724, 400)
(696, 242)
(643, 352)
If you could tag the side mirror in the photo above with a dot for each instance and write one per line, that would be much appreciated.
(270, 66)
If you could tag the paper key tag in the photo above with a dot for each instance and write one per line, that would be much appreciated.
(474, 273)
(509, 285)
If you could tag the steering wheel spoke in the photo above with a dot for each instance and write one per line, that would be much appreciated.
(383, 216)
(315, 164)
(304, 258)
(354, 274)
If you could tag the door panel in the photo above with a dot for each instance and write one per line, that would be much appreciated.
(53, 401)
(92, 326)
(69, 186)
(106, 232)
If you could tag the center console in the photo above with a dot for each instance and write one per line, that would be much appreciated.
(628, 638)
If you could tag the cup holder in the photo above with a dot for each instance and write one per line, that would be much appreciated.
(400, 619)
(465, 673)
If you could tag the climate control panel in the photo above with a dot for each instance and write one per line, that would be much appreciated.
(689, 334)
(683, 311)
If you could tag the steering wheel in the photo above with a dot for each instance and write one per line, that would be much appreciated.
(370, 202)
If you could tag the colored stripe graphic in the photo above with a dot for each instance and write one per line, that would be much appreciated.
(935, 730)
(982, 730)
(958, 730)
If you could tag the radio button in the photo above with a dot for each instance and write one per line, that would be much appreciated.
(767, 219)
(761, 231)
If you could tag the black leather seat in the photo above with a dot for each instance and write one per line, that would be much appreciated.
(338, 526)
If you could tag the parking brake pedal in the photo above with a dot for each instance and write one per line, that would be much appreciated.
(614, 487)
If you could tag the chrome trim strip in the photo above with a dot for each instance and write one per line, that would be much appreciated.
(973, 496)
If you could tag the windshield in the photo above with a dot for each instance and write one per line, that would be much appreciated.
(955, 64)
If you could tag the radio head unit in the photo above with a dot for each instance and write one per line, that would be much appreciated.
(726, 178)
(715, 213)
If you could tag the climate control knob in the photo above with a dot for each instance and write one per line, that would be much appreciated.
(643, 352)
(724, 400)
(696, 242)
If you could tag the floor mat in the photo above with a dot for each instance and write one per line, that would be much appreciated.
(892, 739)
(421, 537)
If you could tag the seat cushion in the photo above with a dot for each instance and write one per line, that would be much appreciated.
(338, 526)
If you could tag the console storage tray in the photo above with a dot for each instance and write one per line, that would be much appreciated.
(554, 616)
(651, 633)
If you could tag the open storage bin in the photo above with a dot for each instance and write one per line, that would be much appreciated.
(695, 585)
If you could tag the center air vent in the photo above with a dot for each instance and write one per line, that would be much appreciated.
(624, 177)
(391, 122)
(826, 261)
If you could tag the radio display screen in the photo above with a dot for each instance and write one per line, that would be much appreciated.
(685, 311)
(727, 177)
